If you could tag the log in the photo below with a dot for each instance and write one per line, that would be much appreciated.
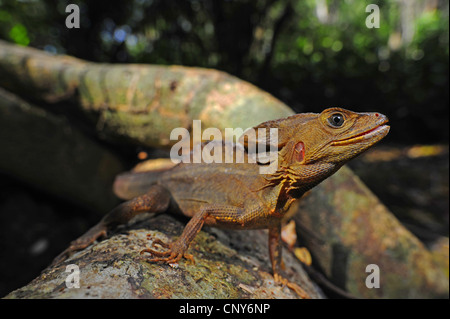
(228, 264)
(137, 103)
(349, 229)
(45, 151)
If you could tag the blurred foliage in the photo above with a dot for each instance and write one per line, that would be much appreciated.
(311, 54)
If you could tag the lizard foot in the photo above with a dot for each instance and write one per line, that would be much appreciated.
(175, 251)
(82, 242)
(293, 286)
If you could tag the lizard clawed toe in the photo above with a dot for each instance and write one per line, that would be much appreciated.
(84, 241)
(159, 242)
(171, 256)
(293, 286)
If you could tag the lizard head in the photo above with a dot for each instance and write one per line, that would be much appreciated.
(313, 146)
(335, 136)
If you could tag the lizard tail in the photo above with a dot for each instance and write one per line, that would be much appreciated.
(132, 184)
(139, 180)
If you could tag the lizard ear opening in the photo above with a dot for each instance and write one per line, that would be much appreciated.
(293, 152)
(299, 152)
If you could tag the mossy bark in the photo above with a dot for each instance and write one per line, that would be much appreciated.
(45, 151)
(226, 266)
(352, 229)
(137, 103)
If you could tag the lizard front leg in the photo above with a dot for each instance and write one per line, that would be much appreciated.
(156, 200)
(178, 248)
(275, 249)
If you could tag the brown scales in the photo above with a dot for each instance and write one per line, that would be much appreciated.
(311, 147)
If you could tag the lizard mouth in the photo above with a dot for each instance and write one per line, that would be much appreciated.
(377, 132)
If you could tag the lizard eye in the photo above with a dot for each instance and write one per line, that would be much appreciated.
(336, 120)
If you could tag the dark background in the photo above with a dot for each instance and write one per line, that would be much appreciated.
(310, 54)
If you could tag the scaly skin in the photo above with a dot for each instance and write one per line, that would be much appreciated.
(311, 147)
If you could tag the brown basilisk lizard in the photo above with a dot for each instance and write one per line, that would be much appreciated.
(311, 147)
